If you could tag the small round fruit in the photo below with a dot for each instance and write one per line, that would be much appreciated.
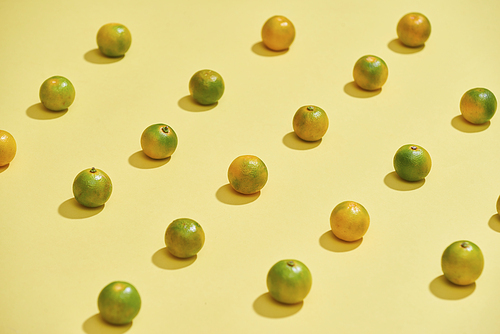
(478, 105)
(92, 187)
(184, 237)
(114, 39)
(310, 123)
(414, 29)
(349, 221)
(159, 141)
(247, 174)
(119, 303)
(206, 87)
(370, 72)
(8, 148)
(462, 262)
(57, 93)
(278, 33)
(498, 205)
(412, 162)
(289, 281)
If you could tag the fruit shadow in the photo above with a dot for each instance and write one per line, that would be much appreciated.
(73, 210)
(163, 259)
(260, 49)
(291, 140)
(494, 222)
(226, 194)
(95, 56)
(4, 168)
(268, 307)
(189, 104)
(398, 47)
(331, 243)
(444, 289)
(393, 181)
(352, 89)
(140, 160)
(461, 124)
(97, 325)
(38, 111)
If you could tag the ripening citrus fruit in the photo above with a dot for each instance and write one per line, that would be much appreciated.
(278, 33)
(414, 29)
(349, 221)
(119, 303)
(498, 205)
(370, 72)
(412, 162)
(247, 174)
(158, 141)
(478, 105)
(462, 262)
(114, 39)
(184, 237)
(206, 87)
(8, 148)
(289, 281)
(310, 123)
(57, 93)
(92, 187)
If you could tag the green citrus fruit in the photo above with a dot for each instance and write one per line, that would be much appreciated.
(478, 105)
(247, 174)
(159, 141)
(349, 221)
(278, 33)
(414, 29)
(57, 93)
(114, 39)
(289, 281)
(206, 87)
(119, 303)
(462, 262)
(310, 123)
(8, 148)
(412, 162)
(370, 72)
(92, 187)
(184, 237)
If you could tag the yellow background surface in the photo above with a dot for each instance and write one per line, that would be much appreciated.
(56, 256)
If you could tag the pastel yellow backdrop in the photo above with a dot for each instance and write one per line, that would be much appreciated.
(56, 256)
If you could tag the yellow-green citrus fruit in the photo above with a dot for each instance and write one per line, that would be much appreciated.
(247, 174)
(114, 39)
(278, 33)
(92, 187)
(414, 29)
(462, 262)
(8, 148)
(159, 141)
(349, 221)
(57, 93)
(310, 123)
(206, 87)
(478, 105)
(289, 281)
(370, 72)
(412, 162)
(184, 237)
(119, 303)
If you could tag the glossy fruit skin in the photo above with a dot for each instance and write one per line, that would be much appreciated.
(478, 105)
(278, 33)
(310, 123)
(159, 141)
(247, 174)
(349, 221)
(412, 162)
(206, 87)
(8, 148)
(92, 187)
(114, 39)
(462, 262)
(414, 29)
(289, 281)
(57, 93)
(119, 303)
(184, 237)
(370, 72)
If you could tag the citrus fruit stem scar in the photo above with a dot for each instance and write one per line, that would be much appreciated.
(413, 148)
(291, 263)
(93, 170)
(310, 108)
(165, 129)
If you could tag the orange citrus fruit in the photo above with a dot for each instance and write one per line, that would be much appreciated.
(206, 87)
(184, 237)
(310, 123)
(247, 174)
(159, 141)
(119, 303)
(462, 262)
(414, 29)
(370, 72)
(289, 281)
(498, 205)
(8, 148)
(114, 39)
(412, 162)
(478, 105)
(57, 93)
(278, 33)
(92, 187)
(349, 221)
